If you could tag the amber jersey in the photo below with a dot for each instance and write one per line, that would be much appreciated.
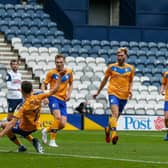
(165, 82)
(120, 78)
(51, 79)
(29, 113)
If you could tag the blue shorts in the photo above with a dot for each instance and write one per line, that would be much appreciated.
(13, 103)
(57, 104)
(119, 102)
(166, 106)
(17, 130)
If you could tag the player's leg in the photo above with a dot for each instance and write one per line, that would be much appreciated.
(60, 122)
(113, 122)
(11, 135)
(54, 109)
(112, 125)
(12, 105)
(54, 128)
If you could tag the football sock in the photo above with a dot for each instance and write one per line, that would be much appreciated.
(54, 126)
(15, 140)
(29, 138)
(52, 135)
(113, 125)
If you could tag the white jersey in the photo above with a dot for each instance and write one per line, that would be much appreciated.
(13, 80)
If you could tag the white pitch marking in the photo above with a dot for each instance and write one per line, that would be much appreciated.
(93, 157)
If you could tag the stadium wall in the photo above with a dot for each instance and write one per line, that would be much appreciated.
(73, 18)
(10, 1)
(99, 122)
(152, 13)
(59, 16)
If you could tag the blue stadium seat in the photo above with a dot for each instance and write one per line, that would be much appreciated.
(59, 35)
(36, 42)
(74, 52)
(143, 46)
(153, 46)
(105, 45)
(103, 53)
(57, 43)
(66, 43)
(161, 54)
(124, 44)
(65, 51)
(132, 53)
(76, 44)
(46, 43)
(93, 52)
(134, 45)
(95, 44)
(84, 52)
(114, 45)
(86, 44)
(162, 47)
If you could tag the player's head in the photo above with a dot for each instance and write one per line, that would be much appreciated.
(14, 65)
(59, 61)
(122, 55)
(26, 87)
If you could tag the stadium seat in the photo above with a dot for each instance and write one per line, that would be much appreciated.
(105, 45)
(134, 45)
(96, 44)
(143, 46)
(86, 44)
(153, 46)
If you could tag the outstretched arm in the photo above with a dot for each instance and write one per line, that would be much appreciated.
(54, 90)
(102, 84)
(9, 125)
(162, 89)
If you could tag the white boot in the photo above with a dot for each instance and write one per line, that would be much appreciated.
(44, 135)
(52, 143)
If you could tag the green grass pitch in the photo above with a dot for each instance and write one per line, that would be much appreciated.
(87, 149)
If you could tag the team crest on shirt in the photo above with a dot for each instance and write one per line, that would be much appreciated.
(65, 77)
(120, 70)
(53, 105)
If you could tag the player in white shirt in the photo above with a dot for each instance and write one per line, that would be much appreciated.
(14, 96)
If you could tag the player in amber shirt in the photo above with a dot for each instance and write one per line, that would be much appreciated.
(25, 121)
(120, 76)
(57, 102)
(164, 91)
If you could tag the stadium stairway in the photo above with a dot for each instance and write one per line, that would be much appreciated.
(6, 54)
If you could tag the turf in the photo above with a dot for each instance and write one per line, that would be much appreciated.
(87, 149)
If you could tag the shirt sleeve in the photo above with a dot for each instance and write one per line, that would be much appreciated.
(18, 114)
(71, 77)
(132, 73)
(108, 71)
(164, 79)
(48, 78)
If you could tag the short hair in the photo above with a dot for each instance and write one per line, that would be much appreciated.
(13, 60)
(27, 87)
(122, 49)
(60, 56)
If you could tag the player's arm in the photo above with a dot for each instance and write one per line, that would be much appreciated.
(131, 84)
(162, 89)
(9, 83)
(102, 84)
(54, 90)
(163, 86)
(9, 125)
(69, 91)
(70, 87)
